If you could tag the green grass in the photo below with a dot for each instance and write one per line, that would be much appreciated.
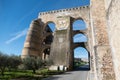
(28, 74)
(16, 74)
(49, 72)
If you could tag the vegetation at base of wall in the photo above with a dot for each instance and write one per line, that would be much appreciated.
(12, 67)
(8, 62)
(28, 74)
(32, 63)
(50, 72)
(16, 74)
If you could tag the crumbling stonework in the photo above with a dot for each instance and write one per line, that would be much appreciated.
(104, 63)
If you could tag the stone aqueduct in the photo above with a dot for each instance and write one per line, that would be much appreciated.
(59, 45)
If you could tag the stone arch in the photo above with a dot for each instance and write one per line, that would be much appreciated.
(79, 24)
(82, 48)
(81, 54)
(47, 25)
(47, 34)
(78, 18)
(78, 32)
(62, 45)
(81, 44)
(78, 38)
(48, 39)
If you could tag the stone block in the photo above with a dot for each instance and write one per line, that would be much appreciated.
(53, 68)
(65, 68)
(61, 67)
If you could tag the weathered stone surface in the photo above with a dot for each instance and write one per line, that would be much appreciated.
(99, 19)
(53, 68)
(113, 20)
(103, 51)
(33, 40)
(61, 67)
(104, 63)
(60, 47)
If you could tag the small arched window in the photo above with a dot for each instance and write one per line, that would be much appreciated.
(79, 38)
(79, 25)
(50, 27)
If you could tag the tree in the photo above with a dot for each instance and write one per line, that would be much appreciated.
(32, 63)
(8, 62)
(13, 62)
(3, 62)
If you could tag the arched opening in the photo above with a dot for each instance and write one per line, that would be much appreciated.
(46, 54)
(79, 38)
(50, 27)
(48, 39)
(79, 25)
(81, 59)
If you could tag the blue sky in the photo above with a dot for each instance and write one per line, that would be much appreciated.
(80, 52)
(16, 16)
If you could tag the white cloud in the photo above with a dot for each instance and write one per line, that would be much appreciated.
(17, 35)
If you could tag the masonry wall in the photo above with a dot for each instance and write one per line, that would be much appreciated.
(113, 20)
(62, 47)
(104, 62)
(33, 40)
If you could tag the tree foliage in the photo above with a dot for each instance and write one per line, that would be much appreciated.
(8, 62)
(13, 62)
(32, 63)
(3, 62)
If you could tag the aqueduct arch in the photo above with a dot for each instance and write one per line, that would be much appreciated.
(61, 49)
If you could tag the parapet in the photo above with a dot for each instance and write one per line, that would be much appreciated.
(63, 10)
